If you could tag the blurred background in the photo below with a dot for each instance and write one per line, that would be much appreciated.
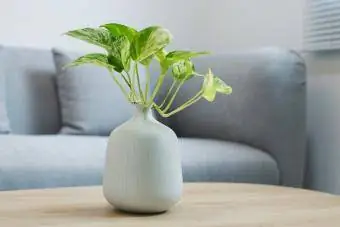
(221, 27)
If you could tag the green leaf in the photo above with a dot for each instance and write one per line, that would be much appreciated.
(121, 30)
(178, 55)
(96, 59)
(222, 87)
(183, 70)
(149, 41)
(116, 63)
(125, 54)
(161, 57)
(97, 36)
(212, 85)
(122, 46)
(119, 55)
(147, 61)
(209, 90)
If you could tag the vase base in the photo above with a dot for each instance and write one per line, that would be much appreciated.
(145, 212)
(138, 212)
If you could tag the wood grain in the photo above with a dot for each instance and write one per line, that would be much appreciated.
(203, 205)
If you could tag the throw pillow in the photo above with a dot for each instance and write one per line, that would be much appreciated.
(4, 122)
(91, 103)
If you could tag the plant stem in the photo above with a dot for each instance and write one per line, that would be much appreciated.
(197, 74)
(188, 103)
(126, 81)
(173, 96)
(133, 91)
(128, 76)
(120, 86)
(182, 107)
(139, 85)
(168, 94)
(147, 84)
(154, 105)
(155, 91)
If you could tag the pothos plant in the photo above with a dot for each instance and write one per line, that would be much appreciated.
(127, 50)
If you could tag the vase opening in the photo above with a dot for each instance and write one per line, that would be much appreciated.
(143, 112)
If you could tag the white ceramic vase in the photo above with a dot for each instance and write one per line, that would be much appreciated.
(143, 171)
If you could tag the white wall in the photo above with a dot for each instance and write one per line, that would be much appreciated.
(243, 24)
(323, 169)
(40, 23)
(215, 25)
(323, 63)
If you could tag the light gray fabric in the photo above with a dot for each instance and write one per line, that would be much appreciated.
(65, 160)
(50, 161)
(266, 109)
(220, 161)
(4, 122)
(30, 90)
(91, 103)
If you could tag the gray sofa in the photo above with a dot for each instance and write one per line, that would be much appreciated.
(256, 135)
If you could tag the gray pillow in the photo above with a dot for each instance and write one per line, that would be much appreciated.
(4, 122)
(90, 102)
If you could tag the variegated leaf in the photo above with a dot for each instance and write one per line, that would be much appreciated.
(97, 36)
(147, 60)
(120, 54)
(121, 30)
(222, 87)
(179, 55)
(161, 57)
(95, 58)
(212, 85)
(183, 70)
(149, 41)
(209, 91)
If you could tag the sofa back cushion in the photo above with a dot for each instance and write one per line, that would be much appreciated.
(265, 110)
(4, 122)
(31, 96)
(90, 102)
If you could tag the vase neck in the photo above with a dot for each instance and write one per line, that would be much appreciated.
(143, 112)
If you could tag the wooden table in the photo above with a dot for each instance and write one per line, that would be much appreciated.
(220, 205)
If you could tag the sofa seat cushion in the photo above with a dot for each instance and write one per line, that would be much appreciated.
(50, 161)
(221, 161)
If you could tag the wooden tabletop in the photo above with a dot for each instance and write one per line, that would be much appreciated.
(220, 205)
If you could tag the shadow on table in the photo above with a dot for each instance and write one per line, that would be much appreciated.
(94, 212)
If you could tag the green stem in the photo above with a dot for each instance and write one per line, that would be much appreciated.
(126, 81)
(155, 91)
(147, 84)
(128, 76)
(139, 85)
(182, 107)
(120, 86)
(173, 96)
(154, 105)
(188, 103)
(129, 79)
(133, 91)
(168, 94)
(197, 74)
